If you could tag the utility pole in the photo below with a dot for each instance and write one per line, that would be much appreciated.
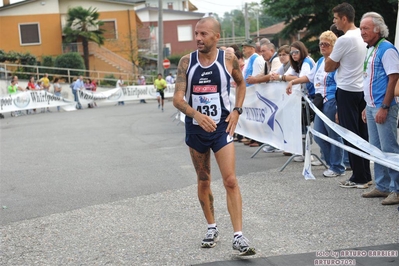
(232, 31)
(257, 24)
(246, 21)
(160, 38)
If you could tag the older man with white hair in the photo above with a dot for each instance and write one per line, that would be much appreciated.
(381, 73)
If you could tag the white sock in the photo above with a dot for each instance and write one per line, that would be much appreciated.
(211, 225)
(238, 233)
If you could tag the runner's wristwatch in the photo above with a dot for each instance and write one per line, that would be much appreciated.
(383, 106)
(238, 109)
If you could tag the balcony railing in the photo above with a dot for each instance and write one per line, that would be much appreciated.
(231, 41)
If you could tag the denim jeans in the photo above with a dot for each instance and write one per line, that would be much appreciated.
(58, 94)
(333, 155)
(384, 136)
(76, 98)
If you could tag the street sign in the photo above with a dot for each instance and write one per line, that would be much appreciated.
(166, 63)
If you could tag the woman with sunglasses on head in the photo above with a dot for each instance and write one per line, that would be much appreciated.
(301, 65)
(325, 87)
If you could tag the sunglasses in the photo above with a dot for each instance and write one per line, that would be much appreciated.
(294, 52)
(324, 44)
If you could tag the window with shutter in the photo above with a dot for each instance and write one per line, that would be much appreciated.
(29, 34)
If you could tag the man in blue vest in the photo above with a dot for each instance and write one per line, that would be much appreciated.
(254, 65)
(381, 73)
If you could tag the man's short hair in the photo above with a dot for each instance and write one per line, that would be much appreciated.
(264, 41)
(249, 42)
(346, 10)
(217, 28)
(270, 46)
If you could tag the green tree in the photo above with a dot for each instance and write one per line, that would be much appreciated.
(69, 60)
(47, 61)
(237, 17)
(83, 24)
(256, 15)
(316, 16)
(27, 59)
(3, 56)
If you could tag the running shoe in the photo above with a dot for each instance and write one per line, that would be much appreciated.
(211, 237)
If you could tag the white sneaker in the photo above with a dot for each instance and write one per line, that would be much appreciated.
(301, 158)
(330, 173)
(211, 237)
(270, 149)
(316, 163)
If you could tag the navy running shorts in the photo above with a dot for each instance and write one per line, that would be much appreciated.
(202, 143)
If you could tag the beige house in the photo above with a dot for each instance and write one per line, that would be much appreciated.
(36, 26)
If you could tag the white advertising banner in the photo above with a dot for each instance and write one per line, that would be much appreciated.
(33, 99)
(40, 99)
(129, 93)
(271, 116)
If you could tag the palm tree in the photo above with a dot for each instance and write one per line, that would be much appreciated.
(84, 24)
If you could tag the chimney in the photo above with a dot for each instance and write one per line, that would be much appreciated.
(6, 2)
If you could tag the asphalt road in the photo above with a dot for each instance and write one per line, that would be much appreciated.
(55, 162)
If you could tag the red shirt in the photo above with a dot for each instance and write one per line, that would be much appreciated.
(31, 85)
(93, 86)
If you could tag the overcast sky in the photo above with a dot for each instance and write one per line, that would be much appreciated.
(220, 7)
(206, 6)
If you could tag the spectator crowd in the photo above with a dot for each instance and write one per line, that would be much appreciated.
(354, 83)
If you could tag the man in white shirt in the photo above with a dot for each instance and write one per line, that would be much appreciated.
(120, 84)
(348, 58)
(169, 79)
(78, 85)
(253, 65)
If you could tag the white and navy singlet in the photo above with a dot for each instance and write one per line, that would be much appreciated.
(208, 90)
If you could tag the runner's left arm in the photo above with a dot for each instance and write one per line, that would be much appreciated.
(236, 73)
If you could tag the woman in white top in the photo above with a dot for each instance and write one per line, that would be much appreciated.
(57, 90)
(301, 65)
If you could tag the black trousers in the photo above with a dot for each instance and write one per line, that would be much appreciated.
(349, 107)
